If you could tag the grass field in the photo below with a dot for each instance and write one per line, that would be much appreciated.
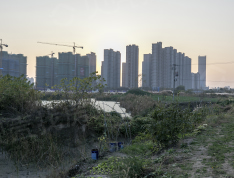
(189, 98)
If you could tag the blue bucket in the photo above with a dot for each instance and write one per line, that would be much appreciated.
(113, 147)
(94, 154)
(120, 145)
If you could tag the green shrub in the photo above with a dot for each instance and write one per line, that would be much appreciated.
(17, 95)
(137, 104)
(137, 92)
(144, 148)
(139, 125)
(128, 167)
(168, 123)
(42, 150)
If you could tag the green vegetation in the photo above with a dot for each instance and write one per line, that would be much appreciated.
(17, 96)
(156, 137)
(125, 166)
(137, 92)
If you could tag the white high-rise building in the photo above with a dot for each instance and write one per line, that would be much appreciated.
(132, 60)
(111, 68)
(202, 71)
(146, 70)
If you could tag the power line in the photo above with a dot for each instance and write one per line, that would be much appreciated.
(211, 81)
(231, 62)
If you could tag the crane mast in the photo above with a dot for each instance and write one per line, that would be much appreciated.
(52, 67)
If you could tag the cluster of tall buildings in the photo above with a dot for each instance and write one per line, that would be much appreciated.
(50, 71)
(164, 68)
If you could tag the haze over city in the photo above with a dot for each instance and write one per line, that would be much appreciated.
(192, 27)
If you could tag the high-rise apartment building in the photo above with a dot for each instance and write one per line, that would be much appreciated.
(187, 80)
(132, 60)
(124, 74)
(70, 66)
(46, 71)
(157, 66)
(168, 62)
(195, 81)
(202, 71)
(111, 68)
(146, 71)
(14, 64)
(92, 62)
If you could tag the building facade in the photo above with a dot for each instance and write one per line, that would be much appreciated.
(124, 74)
(92, 62)
(46, 71)
(111, 68)
(202, 71)
(14, 64)
(187, 77)
(132, 60)
(157, 66)
(70, 66)
(146, 71)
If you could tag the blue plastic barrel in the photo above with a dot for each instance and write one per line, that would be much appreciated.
(120, 145)
(94, 154)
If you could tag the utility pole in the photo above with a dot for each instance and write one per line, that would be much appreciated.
(1, 46)
(174, 78)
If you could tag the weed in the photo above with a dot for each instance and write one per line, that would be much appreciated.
(127, 166)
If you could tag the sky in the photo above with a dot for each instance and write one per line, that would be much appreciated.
(194, 27)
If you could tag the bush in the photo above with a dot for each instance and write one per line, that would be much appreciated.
(138, 92)
(137, 105)
(17, 95)
(144, 148)
(128, 167)
(168, 123)
(139, 125)
(42, 150)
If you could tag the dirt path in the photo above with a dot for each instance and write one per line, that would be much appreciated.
(209, 154)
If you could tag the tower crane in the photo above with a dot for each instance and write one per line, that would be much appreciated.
(74, 49)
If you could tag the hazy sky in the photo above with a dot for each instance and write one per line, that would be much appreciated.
(195, 27)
